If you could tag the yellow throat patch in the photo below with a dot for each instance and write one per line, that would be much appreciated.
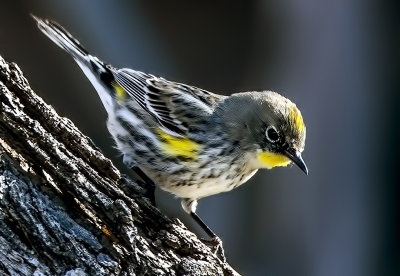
(178, 146)
(269, 160)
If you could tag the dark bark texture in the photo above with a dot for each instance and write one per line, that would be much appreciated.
(66, 210)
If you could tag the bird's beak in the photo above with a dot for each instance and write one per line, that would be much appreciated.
(297, 159)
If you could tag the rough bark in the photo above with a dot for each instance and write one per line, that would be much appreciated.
(66, 210)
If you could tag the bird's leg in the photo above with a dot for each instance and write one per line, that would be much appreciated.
(215, 241)
(149, 184)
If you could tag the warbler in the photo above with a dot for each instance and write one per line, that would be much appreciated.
(189, 141)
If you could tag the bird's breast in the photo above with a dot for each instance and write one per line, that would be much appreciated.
(201, 180)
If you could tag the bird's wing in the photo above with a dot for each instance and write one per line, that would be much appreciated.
(172, 104)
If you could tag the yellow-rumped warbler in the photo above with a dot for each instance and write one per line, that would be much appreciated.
(190, 142)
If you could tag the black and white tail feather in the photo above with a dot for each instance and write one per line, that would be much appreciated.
(90, 65)
(159, 98)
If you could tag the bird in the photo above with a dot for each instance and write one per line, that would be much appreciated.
(186, 140)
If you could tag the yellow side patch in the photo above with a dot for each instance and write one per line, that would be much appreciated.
(296, 118)
(178, 146)
(119, 91)
(270, 160)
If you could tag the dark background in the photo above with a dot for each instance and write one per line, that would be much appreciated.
(336, 59)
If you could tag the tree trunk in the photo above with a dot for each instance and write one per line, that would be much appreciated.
(66, 210)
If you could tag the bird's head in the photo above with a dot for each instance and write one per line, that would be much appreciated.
(266, 126)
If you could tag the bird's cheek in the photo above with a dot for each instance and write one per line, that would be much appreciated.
(270, 160)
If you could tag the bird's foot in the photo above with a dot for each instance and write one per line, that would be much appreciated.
(216, 246)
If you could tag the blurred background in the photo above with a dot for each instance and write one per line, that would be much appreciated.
(338, 60)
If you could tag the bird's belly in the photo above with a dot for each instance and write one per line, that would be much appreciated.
(199, 185)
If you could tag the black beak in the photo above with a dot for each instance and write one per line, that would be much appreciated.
(296, 158)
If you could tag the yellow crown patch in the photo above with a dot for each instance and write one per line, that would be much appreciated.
(296, 118)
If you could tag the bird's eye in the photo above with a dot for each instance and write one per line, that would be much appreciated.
(272, 134)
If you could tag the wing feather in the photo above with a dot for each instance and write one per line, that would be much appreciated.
(169, 103)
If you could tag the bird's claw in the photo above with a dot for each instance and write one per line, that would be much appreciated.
(216, 246)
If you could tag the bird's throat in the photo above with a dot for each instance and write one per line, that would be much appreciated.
(270, 160)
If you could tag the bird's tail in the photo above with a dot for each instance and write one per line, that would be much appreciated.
(94, 69)
(62, 38)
